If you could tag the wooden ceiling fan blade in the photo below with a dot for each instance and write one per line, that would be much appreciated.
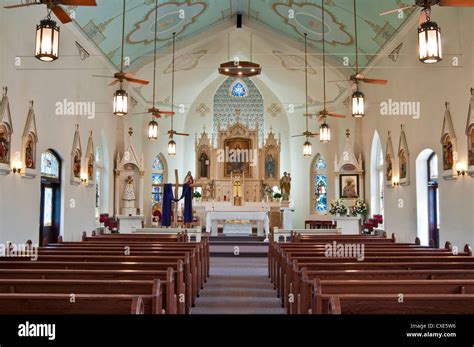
(374, 81)
(113, 83)
(102, 76)
(298, 135)
(335, 115)
(457, 3)
(181, 134)
(396, 10)
(135, 80)
(168, 113)
(61, 14)
(78, 2)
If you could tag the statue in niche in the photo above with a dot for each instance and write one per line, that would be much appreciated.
(448, 158)
(471, 148)
(29, 153)
(77, 164)
(389, 170)
(403, 164)
(269, 166)
(285, 186)
(204, 162)
(208, 191)
(4, 145)
(90, 168)
(129, 193)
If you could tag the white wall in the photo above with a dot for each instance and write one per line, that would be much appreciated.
(47, 83)
(431, 86)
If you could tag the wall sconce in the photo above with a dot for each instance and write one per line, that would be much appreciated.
(461, 169)
(84, 178)
(395, 181)
(17, 167)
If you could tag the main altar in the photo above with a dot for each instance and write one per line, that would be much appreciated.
(237, 175)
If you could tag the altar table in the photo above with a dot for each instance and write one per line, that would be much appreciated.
(261, 217)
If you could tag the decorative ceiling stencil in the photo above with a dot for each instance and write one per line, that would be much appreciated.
(102, 24)
(293, 62)
(172, 18)
(307, 18)
(187, 61)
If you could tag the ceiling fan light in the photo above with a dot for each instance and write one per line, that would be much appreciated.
(429, 43)
(153, 130)
(324, 133)
(172, 148)
(120, 103)
(47, 41)
(307, 149)
(358, 104)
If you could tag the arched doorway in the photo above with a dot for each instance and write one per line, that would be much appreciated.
(50, 214)
(427, 197)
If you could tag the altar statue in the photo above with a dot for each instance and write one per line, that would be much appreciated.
(285, 186)
(129, 193)
(204, 163)
(270, 166)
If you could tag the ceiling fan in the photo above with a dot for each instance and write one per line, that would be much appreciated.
(173, 132)
(154, 111)
(121, 76)
(425, 4)
(55, 7)
(307, 133)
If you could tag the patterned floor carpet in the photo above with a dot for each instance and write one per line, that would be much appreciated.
(238, 286)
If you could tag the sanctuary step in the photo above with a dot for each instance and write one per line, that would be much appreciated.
(238, 246)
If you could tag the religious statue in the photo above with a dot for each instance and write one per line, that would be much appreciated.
(129, 193)
(204, 162)
(208, 191)
(270, 167)
(389, 171)
(77, 164)
(4, 146)
(471, 148)
(29, 160)
(285, 186)
(189, 179)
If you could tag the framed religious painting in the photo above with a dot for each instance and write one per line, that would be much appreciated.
(237, 157)
(349, 186)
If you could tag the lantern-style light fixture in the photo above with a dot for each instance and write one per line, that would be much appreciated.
(171, 147)
(358, 104)
(47, 40)
(120, 102)
(307, 149)
(429, 41)
(153, 130)
(324, 133)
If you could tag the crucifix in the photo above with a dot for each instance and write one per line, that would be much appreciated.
(176, 185)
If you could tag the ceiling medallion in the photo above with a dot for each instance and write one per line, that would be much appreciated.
(240, 69)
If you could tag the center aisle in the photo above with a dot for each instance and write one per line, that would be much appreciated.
(238, 285)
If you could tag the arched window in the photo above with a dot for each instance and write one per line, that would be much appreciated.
(239, 89)
(377, 176)
(99, 176)
(319, 182)
(158, 176)
(50, 165)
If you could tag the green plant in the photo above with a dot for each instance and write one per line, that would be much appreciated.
(277, 196)
(360, 207)
(337, 206)
(197, 195)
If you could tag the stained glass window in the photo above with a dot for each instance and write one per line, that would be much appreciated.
(157, 178)
(239, 90)
(320, 182)
(49, 165)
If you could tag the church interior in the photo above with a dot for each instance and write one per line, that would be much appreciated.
(237, 157)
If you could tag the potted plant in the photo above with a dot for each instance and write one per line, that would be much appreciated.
(360, 208)
(197, 196)
(277, 196)
(337, 208)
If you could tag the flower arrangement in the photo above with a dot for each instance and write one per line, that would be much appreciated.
(360, 208)
(337, 207)
(197, 195)
(277, 196)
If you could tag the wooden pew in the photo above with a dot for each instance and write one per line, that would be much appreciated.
(61, 304)
(324, 289)
(412, 304)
